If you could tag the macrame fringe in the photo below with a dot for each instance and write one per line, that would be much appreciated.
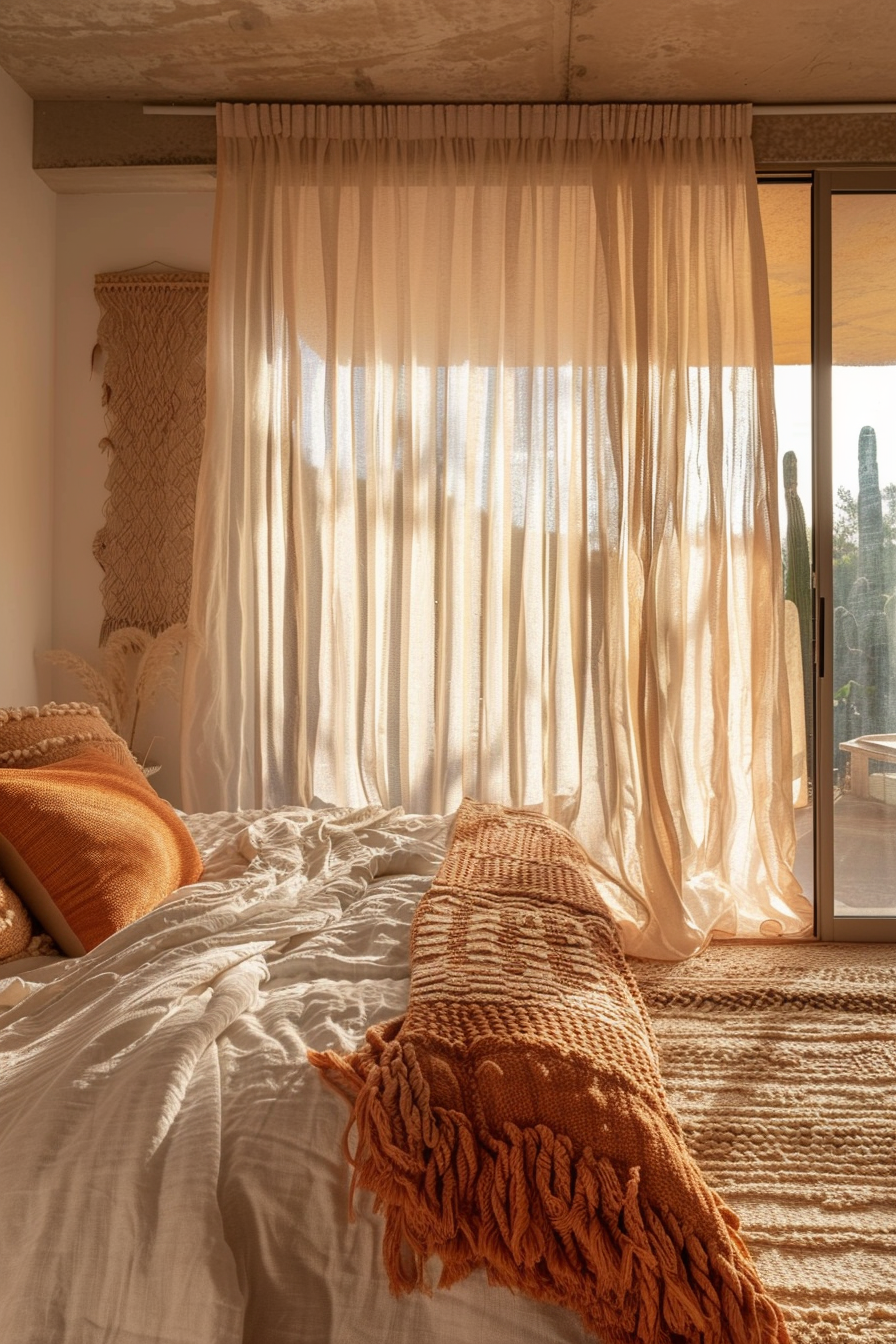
(560, 1229)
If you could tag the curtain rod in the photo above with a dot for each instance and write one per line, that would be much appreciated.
(759, 109)
(153, 110)
(819, 109)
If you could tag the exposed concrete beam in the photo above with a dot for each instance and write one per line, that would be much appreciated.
(132, 177)
(117, 135)
(110, 146)
(866, 138)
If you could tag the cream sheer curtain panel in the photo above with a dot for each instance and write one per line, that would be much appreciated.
(487, 504)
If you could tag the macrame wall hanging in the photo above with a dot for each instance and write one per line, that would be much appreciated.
(152, 332)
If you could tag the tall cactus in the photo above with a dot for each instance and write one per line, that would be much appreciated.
(871, 517)
(876, 673)
(798, 585)
(869, 608)
(847, 671)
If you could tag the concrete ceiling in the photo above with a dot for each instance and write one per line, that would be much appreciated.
(767, 51)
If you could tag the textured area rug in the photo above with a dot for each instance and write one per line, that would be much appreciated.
(781, 1065)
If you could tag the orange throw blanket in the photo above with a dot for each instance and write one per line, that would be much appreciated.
(515, 1118)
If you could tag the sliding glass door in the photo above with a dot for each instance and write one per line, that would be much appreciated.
(855, 552)
(831, 246)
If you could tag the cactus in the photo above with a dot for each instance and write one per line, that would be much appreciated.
(848, 692)
(869, 604)
(875, 674)
(798, 586)
(890, 616)
(871, 517)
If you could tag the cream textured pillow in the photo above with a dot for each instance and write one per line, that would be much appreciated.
(89, 846)
(16, 930)
(33, 736)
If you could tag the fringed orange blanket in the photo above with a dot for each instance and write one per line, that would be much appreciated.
(515, 1117)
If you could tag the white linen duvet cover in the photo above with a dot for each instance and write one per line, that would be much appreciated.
(170, 1165)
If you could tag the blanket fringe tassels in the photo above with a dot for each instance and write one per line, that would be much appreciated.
(562, 1228)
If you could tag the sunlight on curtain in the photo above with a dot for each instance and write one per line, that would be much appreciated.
(487, 504)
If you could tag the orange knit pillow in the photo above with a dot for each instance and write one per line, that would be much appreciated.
(89, 847)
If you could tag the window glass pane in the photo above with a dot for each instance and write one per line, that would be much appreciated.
(863, 278)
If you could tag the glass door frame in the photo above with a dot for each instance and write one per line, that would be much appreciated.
(825, 184)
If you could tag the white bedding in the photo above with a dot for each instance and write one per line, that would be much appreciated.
(170, 1166)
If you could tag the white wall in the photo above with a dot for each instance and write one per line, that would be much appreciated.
(104, 233)
(27, 211)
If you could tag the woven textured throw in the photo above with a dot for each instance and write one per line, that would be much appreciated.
(515, 1118)
(153, 331)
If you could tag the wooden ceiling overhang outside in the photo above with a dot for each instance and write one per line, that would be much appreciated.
(863, 279)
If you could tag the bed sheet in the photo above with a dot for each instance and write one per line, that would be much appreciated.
(170, 1165)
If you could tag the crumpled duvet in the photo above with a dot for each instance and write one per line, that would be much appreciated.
(170, 1165)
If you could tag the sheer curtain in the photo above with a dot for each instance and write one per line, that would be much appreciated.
(487, 503)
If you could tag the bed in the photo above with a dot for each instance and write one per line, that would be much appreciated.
(170, 1165)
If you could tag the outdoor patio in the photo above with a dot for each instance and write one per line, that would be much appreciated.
(864, 855)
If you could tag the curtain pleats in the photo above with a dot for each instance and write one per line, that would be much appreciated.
(487, 502)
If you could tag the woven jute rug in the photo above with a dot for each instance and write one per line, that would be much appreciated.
(781, 1065)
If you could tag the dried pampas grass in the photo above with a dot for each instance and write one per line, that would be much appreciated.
(116, 659)
(134, 670)
(99, 689)
(155, 671)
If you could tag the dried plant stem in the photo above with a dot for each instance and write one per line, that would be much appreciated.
(134, 722)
